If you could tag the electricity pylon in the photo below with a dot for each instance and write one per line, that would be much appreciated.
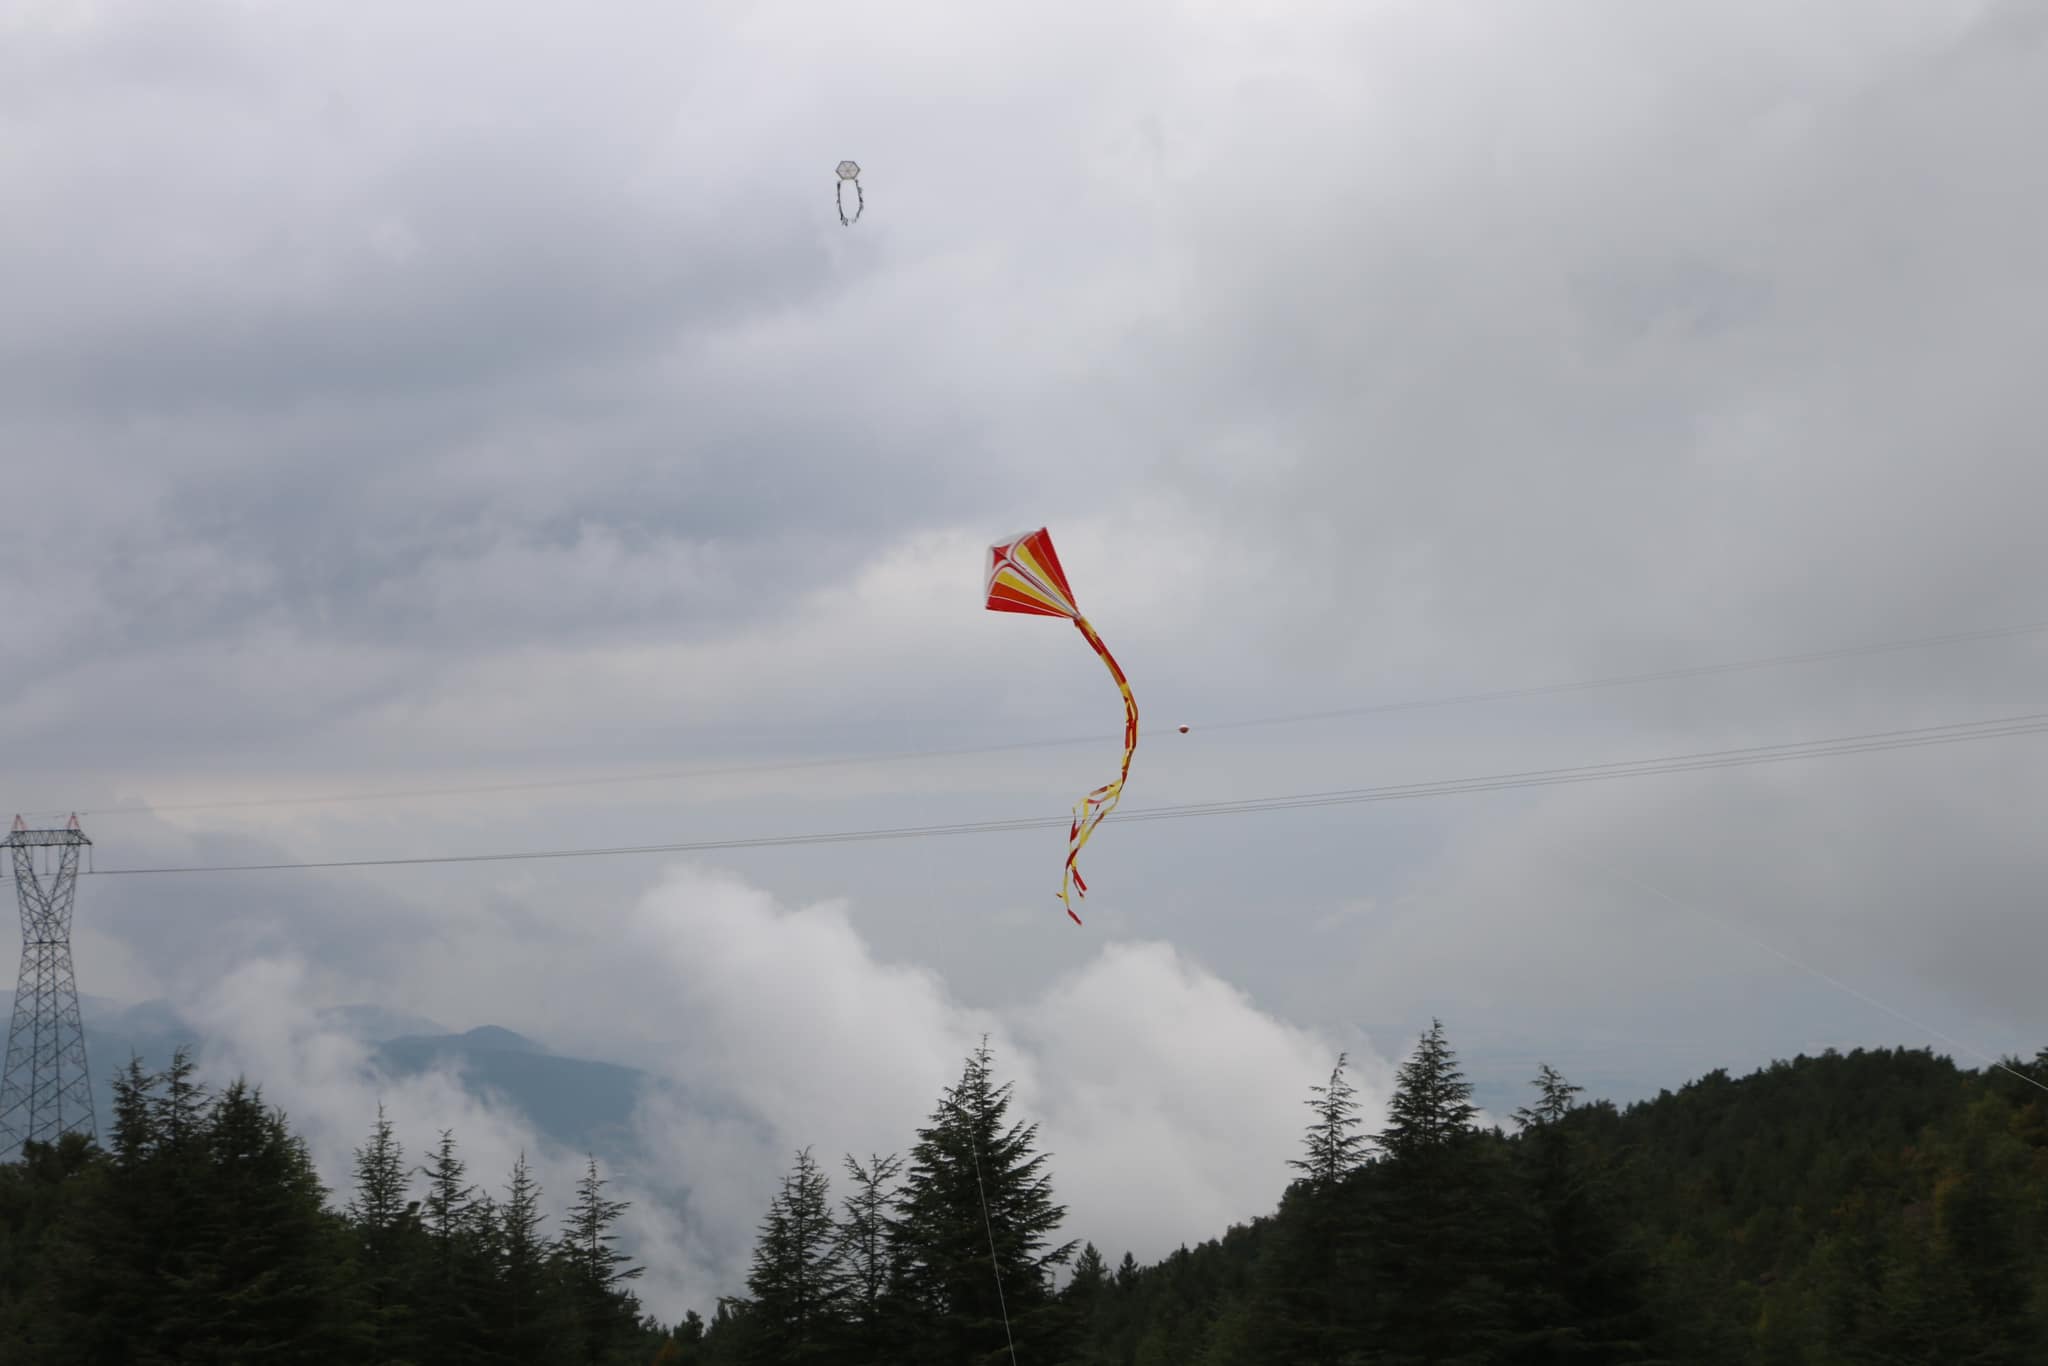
(46, 1091)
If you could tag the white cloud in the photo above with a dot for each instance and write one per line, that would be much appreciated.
(1139, 1051)
(1169, 1101)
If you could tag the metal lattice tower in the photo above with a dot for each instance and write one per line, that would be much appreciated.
(45, 1091)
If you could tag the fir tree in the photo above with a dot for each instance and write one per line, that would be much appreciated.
(456, 1270)
(36, 1193)
(1311, 1281)
(1086, 1290)
(526, 1322)
(104, 1283)
(866, 1255)
(260, 1278)
(180, 1112)
(588, 1238)
(1553, 1100)
(732, 1337)
(1583, 1299)
(449, 1208)
(1090, 1279)
(606, 1314)
(796, 1281)
(686, 1341)
(384, 1270)
(173, 1192)
(1432, 1104)
(1442, 1217)
(1334, 1147)
(134, 1130)
(974, 1222)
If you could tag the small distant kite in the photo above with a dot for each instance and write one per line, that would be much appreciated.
(849, 171)
(1024, 576)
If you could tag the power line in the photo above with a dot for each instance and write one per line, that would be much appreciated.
(608, 780)
(1657, 676)
(900, 756)
(1748, 756)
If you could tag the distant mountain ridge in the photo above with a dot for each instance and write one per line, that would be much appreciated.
(484, 1038)
(579, 1102)
(583, 1104)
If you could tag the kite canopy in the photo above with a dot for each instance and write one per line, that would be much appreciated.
(848, 170)
(1024, 575)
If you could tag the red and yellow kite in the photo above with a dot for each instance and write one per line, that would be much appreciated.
(1024, 575)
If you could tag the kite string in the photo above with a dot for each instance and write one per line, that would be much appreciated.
(974, 1147)
(988, 1224)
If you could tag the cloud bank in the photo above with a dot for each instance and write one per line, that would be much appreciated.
(1169, 1102)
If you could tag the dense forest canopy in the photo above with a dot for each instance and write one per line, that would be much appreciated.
(1879, 1206)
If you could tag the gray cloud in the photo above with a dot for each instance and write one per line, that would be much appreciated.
(401, 401)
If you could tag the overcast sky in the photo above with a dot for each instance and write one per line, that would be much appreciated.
(399, 396)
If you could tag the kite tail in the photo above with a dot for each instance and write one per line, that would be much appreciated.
(1090, 810)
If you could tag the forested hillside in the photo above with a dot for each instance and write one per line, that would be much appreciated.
(1881, 1206)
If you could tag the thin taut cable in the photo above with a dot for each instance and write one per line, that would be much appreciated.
(994, 1266)
(1998, 728)
(857, 760)
(974, 1147)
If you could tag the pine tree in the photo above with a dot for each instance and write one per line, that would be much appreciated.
(1583, 1297)
(973, 1222)
(866, 1256)
(260, 1279)
(732, 1338)
(588, 1237)
(180, 1112)
(448, 1210)
(36, 1192)
(1311, 1277)
(796, 1279)
(526, 1320)
(385, 1271)
(1335, 1148)
(1443, 1222)
(1085, 1293)
(1432, 1105)
(134, 1131)
(606, 1313)
(174, 1191)
(1553, 1100)
(104, 1261)
(687, 1338)
(1090, 1278)
(456, 1270)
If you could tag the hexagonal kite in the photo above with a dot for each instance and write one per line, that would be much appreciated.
(1024, 576)
(848, 171)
